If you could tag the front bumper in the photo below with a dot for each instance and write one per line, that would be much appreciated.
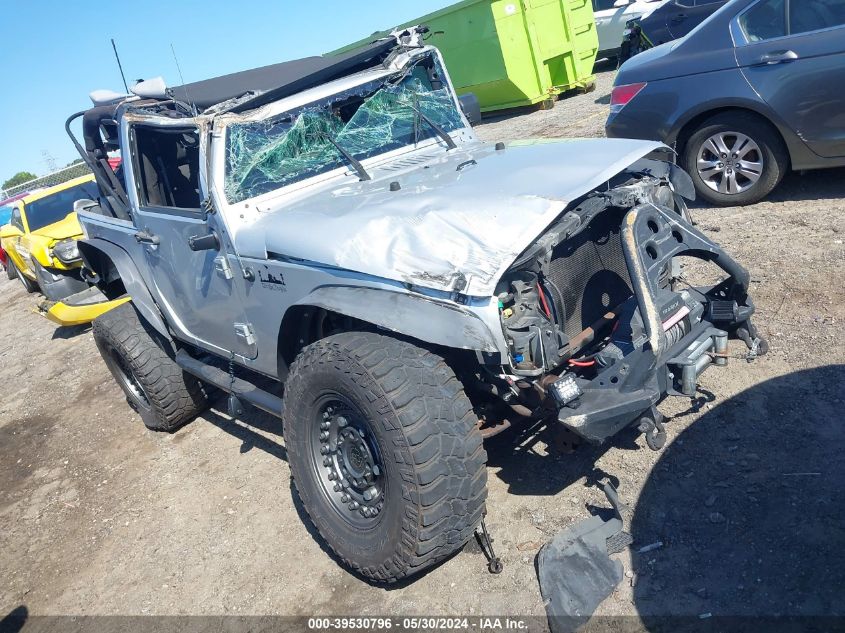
(619, 395)
(56, 284)
(80, 308)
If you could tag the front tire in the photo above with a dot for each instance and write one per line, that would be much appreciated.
(384, 452)
(735, 159)
(155, 386)
(29, 285)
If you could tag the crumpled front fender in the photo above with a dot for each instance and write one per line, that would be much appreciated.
(417, 316)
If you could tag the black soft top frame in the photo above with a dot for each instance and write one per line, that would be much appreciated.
(245, 90)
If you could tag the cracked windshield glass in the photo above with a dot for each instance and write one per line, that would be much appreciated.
(373, 119)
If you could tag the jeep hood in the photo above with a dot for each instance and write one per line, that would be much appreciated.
(66, 227)
(456, 222)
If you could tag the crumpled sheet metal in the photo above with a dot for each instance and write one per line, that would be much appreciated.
(576, 573)
(446, 229)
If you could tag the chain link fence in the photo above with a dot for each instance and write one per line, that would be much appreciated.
(56, 178)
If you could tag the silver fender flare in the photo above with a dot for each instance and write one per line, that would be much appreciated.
(417, 316)
(94, 249)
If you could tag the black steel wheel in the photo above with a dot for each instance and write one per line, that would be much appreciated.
(136, 395)
(348, 461)
(385, 453)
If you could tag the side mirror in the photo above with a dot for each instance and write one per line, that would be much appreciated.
(8, 231)
(83, 204)
(471, 108)
(621, 3)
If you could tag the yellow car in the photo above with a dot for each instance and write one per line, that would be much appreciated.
(40, 243)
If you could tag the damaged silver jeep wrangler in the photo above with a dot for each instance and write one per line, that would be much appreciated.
(327, 240)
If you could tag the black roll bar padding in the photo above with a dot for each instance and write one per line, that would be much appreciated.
(98, 165)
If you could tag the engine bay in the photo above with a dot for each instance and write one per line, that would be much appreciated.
(599, 318)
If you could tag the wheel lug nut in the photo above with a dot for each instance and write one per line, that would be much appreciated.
(337, 487)
(324, 436)
(332, 475)
(325, 425)
(327, 461)
(353, 505)
(344, 498)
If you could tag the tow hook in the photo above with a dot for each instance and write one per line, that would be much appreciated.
(651, 425)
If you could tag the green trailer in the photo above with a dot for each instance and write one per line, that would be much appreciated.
(512, 53)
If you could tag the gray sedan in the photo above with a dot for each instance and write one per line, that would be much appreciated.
(756, 90)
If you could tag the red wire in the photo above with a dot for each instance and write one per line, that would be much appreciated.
(543, 301)
(545, 304)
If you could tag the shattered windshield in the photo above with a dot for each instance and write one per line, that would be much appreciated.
(375, 118)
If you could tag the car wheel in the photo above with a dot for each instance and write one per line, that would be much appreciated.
(155, 386)
(10, 268)
(735, 159)
(385, 453)
(28, 284)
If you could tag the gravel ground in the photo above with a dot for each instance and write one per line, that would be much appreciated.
(100, 516)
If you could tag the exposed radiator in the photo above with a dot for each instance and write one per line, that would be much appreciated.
(588, 275)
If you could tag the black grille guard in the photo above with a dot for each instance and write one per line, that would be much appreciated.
(651, 237)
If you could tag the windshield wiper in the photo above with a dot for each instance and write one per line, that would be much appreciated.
(437, 129)
(353, 162)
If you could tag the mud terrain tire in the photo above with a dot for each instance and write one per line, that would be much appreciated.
(408, 412)
(155, 386)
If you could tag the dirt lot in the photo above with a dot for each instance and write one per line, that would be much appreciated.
(100, 516)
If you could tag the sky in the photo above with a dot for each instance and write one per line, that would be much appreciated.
(57, 51)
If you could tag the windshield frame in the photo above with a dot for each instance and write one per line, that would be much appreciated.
(247, 207)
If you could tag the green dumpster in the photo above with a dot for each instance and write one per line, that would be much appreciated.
(512, 53)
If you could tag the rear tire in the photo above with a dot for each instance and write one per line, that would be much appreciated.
(155, 386)
(409, 425)
(772, 154)
(10, 268)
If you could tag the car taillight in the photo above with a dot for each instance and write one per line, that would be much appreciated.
(622, 95)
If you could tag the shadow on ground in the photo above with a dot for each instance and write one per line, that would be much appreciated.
(820, 184)
(531, 462)
(15, 620)
(66, 332)
(246, 428)
(749, 504)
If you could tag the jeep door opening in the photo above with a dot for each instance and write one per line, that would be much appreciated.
(327, 240)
